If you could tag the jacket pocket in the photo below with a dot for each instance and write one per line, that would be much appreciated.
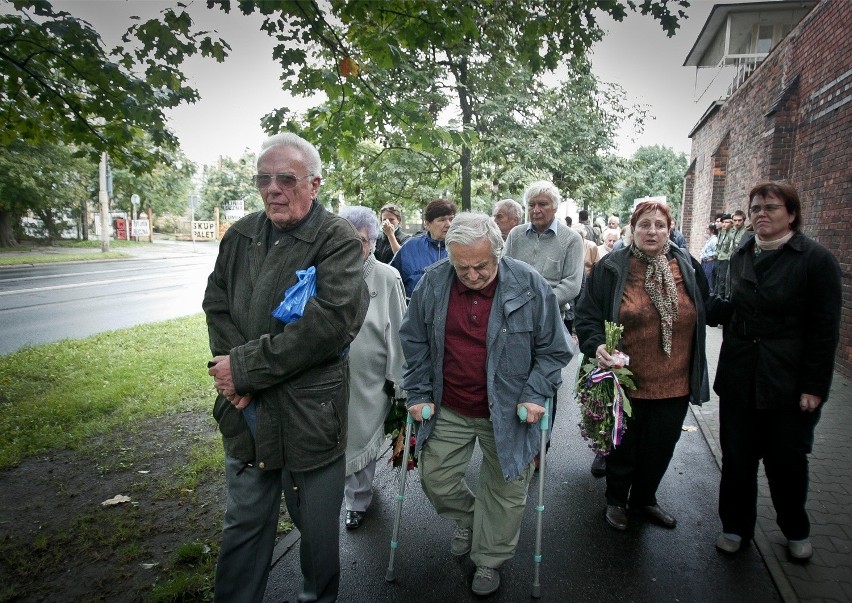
(516, 359)
(237, 440)
(317, 409)
(230, 420)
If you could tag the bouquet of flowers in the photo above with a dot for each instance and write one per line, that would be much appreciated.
(602, 399)
(395, 428)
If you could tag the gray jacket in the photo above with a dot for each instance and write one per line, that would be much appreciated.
(527, 349)
(298, 374)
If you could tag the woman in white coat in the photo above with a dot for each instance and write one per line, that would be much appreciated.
(375, 361)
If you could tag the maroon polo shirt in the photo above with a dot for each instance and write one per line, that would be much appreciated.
(465, 353)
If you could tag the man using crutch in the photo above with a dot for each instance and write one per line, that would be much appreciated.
(483, 337)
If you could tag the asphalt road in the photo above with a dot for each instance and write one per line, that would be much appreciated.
(47, 303)
(583, 558)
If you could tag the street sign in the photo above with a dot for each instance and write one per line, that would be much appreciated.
(140, 228)
(134, 199)
(193, 202)
(234, 210)
(204, 230)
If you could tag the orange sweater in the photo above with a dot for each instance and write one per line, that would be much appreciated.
(656, 375)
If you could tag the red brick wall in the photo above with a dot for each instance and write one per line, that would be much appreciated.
(792, 120)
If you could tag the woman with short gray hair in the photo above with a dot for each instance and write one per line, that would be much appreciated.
(375, 369)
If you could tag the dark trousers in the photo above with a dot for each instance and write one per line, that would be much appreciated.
(251, 521)
(721, 282)
(710, 273)
(636, 467)
(783, 439)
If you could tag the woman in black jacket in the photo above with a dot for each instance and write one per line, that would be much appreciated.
(656, 290)
(775, 366)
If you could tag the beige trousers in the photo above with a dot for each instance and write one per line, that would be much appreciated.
(495, 512)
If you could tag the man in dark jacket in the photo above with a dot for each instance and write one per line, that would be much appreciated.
(283, 388)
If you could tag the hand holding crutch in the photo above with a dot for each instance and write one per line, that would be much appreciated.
(425, 413)
(544, 425)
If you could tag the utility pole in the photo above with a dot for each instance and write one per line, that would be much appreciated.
(103, 197)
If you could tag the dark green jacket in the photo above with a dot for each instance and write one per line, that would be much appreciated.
(298, 374)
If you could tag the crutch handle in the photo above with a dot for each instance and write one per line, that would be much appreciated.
(544, 423)
(424, 415)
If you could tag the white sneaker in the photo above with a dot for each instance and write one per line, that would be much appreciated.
(729, 543)
(800, 549)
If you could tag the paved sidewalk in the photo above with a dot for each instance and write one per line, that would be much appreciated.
(828, 575)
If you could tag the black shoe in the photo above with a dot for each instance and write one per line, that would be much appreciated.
(599, 466)
(616, 517)
(354, 519)
(656, 514)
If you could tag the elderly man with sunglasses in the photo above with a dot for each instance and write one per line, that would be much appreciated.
(283, 388)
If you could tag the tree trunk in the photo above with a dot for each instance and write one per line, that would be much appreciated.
(466, 176)
(7, 232)
(467, 120)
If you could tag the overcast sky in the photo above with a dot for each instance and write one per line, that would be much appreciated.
(234, 95)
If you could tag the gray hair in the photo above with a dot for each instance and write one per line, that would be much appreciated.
(288, 139)
(469, 228)
(512, 207)
(362, 218)
(609, 231)
(543, 187)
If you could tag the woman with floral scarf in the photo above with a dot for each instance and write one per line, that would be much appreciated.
(657, 292)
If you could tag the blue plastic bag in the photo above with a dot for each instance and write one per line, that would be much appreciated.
(296, 297)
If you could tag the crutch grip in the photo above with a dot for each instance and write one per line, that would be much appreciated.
(522, 413)
(424, 415)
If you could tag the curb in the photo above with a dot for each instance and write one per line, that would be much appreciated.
(284, 545)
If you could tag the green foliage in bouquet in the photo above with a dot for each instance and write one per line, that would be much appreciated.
(596, 393)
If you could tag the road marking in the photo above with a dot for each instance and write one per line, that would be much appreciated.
(113, 281)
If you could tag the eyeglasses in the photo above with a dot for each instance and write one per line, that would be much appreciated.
(769, 207)
(282, 180)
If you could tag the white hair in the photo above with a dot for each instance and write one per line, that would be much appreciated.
(362, 218)
(543, 187)
(512, 207)
(469, 228)
(288, 139)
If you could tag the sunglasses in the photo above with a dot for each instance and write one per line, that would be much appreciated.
(282, 180)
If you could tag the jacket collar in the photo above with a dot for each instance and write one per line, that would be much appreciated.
(256, 226)
(509, 285)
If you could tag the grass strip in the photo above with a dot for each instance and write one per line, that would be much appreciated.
(62, 394)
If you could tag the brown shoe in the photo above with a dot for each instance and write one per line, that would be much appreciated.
(616, 517)
(657, 515)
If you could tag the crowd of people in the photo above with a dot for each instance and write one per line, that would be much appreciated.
(474, 318)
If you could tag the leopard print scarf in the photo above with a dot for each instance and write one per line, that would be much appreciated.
(660, 285)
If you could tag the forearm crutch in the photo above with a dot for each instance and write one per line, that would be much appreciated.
(544, 425)
(403, 472)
